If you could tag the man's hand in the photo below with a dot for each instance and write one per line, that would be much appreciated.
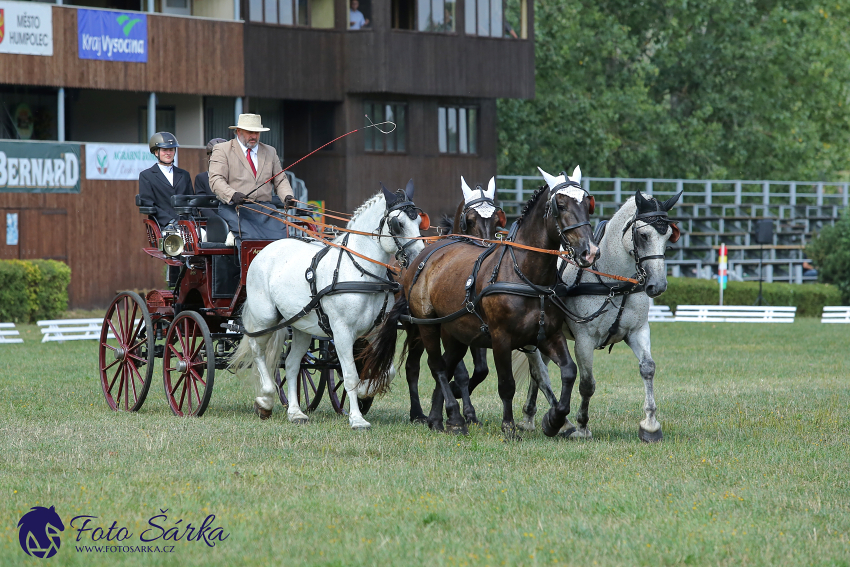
(238, 198)
(289, 202)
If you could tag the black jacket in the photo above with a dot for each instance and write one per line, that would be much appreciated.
(155, 188)
(202, 184)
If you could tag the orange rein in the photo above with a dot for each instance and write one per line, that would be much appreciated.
(428, 239)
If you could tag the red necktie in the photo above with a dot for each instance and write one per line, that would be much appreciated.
(251, 162)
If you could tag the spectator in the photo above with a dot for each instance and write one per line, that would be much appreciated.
(356, 19)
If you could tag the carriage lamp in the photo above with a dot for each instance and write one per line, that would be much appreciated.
(171, 243)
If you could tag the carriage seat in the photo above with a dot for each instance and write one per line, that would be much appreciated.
(145, 206)
(188, 204)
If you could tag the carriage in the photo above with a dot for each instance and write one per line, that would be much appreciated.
(193, 326)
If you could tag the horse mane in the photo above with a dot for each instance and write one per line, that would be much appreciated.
(531, 202)
(447, 224)
(364, 207)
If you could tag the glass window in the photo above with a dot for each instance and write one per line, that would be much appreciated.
(312, 13)
(255, 10)
(376, 140)
(484, 17)
(271, 12)
(469, 17)
(285, 12)
(457, 129)
(496, 18)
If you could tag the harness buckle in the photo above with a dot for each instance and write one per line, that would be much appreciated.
(470, 307)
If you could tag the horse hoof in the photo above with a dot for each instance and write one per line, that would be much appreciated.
(366, 427)
(526, 424)
(472, 421)
(419, 420)
(650, 436)
(263, 413)
(510, 431)
(457, 430)
(552, 425)
(577, 433)
(299, 420)
(436, 426)
(364, 405)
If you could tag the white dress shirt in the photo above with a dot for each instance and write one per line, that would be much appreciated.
(253, 153)
(168, 172)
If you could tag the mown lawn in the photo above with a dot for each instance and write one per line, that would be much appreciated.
(754, 468)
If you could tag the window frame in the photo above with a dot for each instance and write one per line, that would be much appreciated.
(415, 17)
(464, 135)
(371, 135)
(246, 14)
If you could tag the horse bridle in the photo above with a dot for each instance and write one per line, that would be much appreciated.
(471, 204)
(552, 205)
(661, 223)
(394, 226)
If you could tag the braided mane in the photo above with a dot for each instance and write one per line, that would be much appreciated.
(530, 202)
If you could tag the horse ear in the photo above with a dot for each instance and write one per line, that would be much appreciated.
(491, 188)
(388, 195)
(668, 204)
(501, 220)
(408, 191)
(576, 176)
(674, 237)
(551, 181)
(467, 192)
(642, 204)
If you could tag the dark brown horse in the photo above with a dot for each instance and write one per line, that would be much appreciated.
(506, 303)
(469, 219)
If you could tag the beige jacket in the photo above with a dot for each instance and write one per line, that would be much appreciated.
(230, 172)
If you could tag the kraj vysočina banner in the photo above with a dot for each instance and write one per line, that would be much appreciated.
(112, 36)
(39, 167)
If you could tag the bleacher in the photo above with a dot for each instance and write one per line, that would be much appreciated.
(714, 212)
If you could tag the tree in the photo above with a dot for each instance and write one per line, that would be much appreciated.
(678, 88)
(830, 253)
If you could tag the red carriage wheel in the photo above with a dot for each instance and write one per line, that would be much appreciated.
(338, 395)
(126, 353)
(188, 365)
(311, 386)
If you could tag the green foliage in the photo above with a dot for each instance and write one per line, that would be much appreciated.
(673, 88)
(33, 289)
(830, 253)
(809, 298)
(53, 289)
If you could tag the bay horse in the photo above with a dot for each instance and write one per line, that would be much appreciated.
(631, 244)
(476, 215)
(511, 305)
(325, 291)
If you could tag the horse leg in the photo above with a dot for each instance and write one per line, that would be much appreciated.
(264, 402)
(344, 343)
(455, 351)
(431, 339)
(539, 373)
(586, 387)
(650, 428)
(462, 373)
(411, 369)
(556, 349)
(507, 386)
(297, 349)
(481, 370)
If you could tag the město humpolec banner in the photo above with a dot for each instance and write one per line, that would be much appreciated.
(26, 28)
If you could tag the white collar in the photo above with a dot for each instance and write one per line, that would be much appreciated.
(245, 148)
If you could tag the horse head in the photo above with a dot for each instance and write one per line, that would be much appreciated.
(401, 224)
(568, 211)
(651, 229)
(478, 215)
(39, 532)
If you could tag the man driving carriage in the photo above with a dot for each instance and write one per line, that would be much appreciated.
(244, 169)
(164, 179)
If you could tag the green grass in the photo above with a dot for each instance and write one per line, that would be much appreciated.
(754, 468)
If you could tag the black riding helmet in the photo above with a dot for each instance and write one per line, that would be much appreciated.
(162, 140)
(212, 143)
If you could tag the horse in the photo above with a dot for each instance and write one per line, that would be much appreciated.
(512, 308)
(476, 215)
(632, 244)
(327, 291)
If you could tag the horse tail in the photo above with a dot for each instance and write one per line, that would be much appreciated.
(446, 224)
(521, 368)
(377, 358)
(243, 357)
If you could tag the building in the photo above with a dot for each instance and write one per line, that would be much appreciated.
(434, 67)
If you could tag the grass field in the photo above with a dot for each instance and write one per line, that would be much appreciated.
(754, 468)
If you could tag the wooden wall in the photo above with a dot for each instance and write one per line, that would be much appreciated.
(97, 232)
(185, 55)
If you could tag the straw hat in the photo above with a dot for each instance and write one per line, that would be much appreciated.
(250, 122)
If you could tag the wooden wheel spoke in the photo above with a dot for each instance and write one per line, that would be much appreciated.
(126, 377)
(183, 393)
(133, 375)
(136, 357)
(122, 321)
(118, 336)
(197, 393)
(197, 376)
(131, 332)
(107, 367)
(196, 352)
(120, 371)
(177, 384)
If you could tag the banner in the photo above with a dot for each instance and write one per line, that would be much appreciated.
(118, 161)
(26, 28)
(38, 167)
(112, 36)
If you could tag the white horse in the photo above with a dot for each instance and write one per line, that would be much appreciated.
(632, 246)
(279, 288)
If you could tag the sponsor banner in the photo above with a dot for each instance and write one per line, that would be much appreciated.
(35, 167)
(26, 28)
(118, 161)
(112, 36)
